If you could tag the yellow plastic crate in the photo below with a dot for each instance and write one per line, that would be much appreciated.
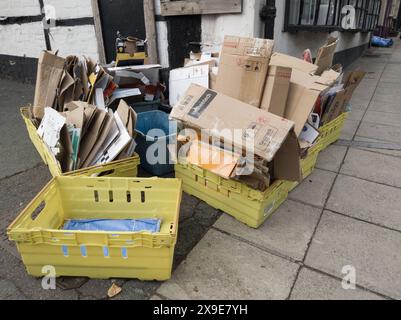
(122, 168)
(247, 205)
(331, 132)
(96, 254)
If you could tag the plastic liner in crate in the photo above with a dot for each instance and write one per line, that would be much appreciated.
(155, 134)
(99, 254)
(331, 132)
(247, 205)
(121, 168)
(146, 106)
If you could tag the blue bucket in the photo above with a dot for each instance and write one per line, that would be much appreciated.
(154, 133)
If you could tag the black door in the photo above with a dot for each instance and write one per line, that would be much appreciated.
(125, 16)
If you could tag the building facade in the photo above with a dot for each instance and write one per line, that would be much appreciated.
(88, 27)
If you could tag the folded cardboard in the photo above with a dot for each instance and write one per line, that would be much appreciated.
(305, 88)
(276, 90)
(222, 116)
(280, 59)
(49, 74)
(212, 158)
(325, 55)
(304, 92)
(243, 68)
(182, 78)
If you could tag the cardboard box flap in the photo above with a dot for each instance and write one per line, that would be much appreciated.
(283, 60)
(233, 121)
(286, 162)
(325, 55)
(242, 46)
(304, 92)
(50, 71)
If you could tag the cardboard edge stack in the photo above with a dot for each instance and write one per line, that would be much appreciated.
(291, 89)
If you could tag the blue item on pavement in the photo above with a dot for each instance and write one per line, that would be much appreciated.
(129, 225)
(382, 42)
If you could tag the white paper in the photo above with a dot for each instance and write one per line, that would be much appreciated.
(131, 74)
(309, 134)
(50, 127)
(124, 93)
(99, 99)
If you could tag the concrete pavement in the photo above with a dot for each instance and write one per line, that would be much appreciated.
(345, 214)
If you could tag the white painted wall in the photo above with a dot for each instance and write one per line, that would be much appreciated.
(295, 43)
(19, 8)
(69, 9)
(28, 39)
(162, 38)
(79, 40)
(22, 40)
(247, 24)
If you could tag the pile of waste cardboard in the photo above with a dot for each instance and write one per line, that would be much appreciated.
(284, 100)
(79, 109)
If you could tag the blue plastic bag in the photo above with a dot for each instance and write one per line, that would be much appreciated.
(382, 42)
(129, 225)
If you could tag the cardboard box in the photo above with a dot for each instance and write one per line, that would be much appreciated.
(202, 108)
(243, 68)
(276, 90)
(182, 78)
(280, 59)
(305, 88)
(325, 55)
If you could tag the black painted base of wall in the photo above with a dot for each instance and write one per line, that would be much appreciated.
(21, 69)
(348, 56)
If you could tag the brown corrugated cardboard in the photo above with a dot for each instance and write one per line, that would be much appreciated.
(280, 59)
(202, 108)
(304, 91)
(276, 90)
(50, 71)
(325, 55)
(243, 68)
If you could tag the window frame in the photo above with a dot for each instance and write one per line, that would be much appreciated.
(366, 17)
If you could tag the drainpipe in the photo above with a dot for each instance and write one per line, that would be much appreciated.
(268, 15)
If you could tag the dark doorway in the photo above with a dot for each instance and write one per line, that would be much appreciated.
(125, 16)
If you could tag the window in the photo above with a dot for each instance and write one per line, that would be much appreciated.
(326, 15)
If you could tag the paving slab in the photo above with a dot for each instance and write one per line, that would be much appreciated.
(312, 285)
(331, 158)
(379, 132)
(385, 118)
(349, 129)
(390, 107)
(221, 267)
(314, 190)
(386, 149)
(373, 166)
(287, 232)
(368, 201)
(373, 251)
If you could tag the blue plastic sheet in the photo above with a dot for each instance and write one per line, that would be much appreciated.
(130, 225)
(382, 42)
